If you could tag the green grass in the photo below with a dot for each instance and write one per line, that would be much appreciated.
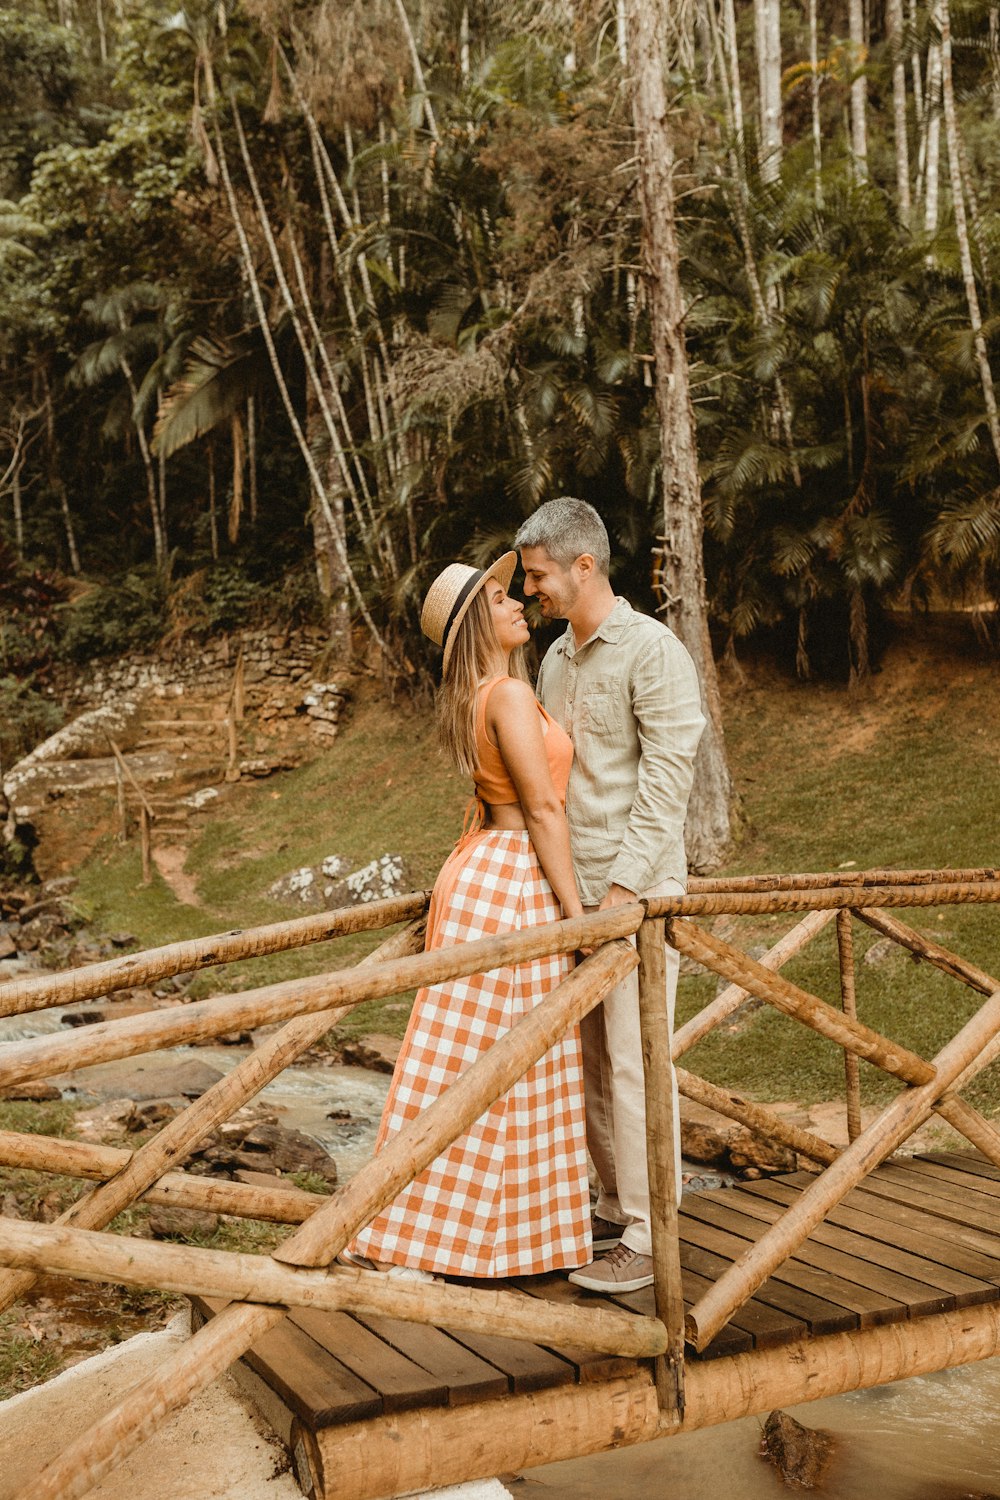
(24, 1361)
(382, 787)
(906, 776)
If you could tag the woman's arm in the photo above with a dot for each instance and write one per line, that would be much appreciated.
(512, 715)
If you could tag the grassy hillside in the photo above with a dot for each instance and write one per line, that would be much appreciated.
(905, 776)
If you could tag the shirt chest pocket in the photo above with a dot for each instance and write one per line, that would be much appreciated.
(600, 710)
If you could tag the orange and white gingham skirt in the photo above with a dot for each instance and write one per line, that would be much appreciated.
(511, 1197)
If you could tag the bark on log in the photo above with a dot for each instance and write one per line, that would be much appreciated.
(962, 1055)
(661, 1161)
(755, 1117)
(41, 1057)
(46, 1153)
(924, 947)
(42, 990)
(826, 898)
(733, 997)
(434, 1447)
(94, 1256)
(824, 880)
(787, 997)
(848, 1000)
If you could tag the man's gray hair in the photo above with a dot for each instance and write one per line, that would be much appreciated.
(566, 528)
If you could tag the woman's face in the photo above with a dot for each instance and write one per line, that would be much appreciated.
(507, 614)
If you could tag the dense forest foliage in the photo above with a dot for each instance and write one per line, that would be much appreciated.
(300, 298)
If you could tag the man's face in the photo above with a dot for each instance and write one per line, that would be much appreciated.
(556, 588)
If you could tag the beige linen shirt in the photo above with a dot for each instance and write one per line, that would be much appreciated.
(629, 700)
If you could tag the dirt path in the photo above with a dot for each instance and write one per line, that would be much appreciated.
(169, 859)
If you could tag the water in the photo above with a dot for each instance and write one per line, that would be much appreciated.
(301, 1097)
(935, 1437)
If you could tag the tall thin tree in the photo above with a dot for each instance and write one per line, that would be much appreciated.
(649, 31)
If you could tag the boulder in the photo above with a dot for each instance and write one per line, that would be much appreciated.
(38, 1092)
(190, 1079)
(376, 1051)
(329, 884)
(800, 1454)
(181, 1223)
(272, 1147)
(750, 1151)
(114, 1117)
(704, 1143)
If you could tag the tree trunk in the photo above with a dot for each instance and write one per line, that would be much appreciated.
(213, 517)
(894, 31)
(768, 18)
(709, 829)
(931, 143)
(943, 16)
(18, 510)
(817, 133)
(733, 56)
(252, 456)
(859, 89)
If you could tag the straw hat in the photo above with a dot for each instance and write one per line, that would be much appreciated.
(450, 595)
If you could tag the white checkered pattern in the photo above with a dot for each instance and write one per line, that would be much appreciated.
(511, 1197)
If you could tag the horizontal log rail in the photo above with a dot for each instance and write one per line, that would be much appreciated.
(184, 1269)
(283, 1204)
(41, 1057)
(180, 1136)
(832, 878)
(763, 903)
(40, 991)
(260, 1288)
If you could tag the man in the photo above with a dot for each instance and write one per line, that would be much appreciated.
(625, 690)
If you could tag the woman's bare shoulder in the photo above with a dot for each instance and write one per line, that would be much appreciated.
(513, 690)
(511, 699)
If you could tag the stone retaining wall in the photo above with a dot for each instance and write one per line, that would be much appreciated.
(203, 669)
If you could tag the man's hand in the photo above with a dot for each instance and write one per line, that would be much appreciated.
(617, 895)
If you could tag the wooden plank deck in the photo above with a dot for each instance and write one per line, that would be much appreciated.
(921, 1236)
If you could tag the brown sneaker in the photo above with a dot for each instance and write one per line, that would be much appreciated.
(621, 1270)
(604, 1234)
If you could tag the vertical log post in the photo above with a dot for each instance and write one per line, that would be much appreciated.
(661, 1164)
(238, 691)
(122, 806)
(852, 1068)
(144, 822)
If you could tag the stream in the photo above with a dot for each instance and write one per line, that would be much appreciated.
(935, 1437)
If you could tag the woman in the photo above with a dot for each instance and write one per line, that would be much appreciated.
(511, 1196)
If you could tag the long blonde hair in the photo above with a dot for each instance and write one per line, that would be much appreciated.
(475, 657)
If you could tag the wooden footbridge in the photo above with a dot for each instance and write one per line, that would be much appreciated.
(864, 1269)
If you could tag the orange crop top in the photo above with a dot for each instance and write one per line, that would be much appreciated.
(493, 783)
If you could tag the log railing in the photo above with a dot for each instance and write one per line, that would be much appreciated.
(301, 1272)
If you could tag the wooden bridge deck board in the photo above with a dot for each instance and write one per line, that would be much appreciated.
(920, 1235)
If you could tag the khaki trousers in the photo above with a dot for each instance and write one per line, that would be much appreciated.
(616, 1099)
